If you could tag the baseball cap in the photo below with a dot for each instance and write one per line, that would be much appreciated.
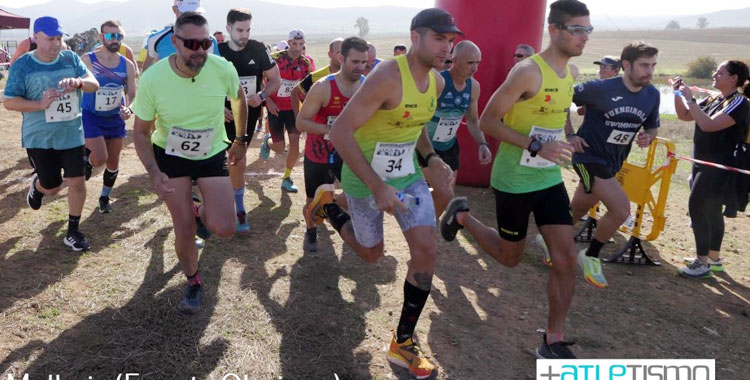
(436, 19)
(296, 34)
(189, 6)
(49, 26)
(609, 61)
(282, 45)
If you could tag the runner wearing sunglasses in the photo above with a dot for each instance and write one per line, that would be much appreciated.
(522, 52)
(105, 111)
(184, 96)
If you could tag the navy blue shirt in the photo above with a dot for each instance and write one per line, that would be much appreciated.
(613, 117)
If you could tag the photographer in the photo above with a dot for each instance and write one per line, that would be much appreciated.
(721, 122)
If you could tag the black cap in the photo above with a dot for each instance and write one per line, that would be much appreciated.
(609, 61)
(436, 19)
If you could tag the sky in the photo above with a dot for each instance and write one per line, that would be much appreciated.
(609, 7)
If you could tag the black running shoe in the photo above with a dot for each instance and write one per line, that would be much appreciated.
(310, 242)
(191, 303)
(104, 206)
(88, 169)
(557, 350)
(202, 232)
(448, 224)
(34, 196)
(76, 241)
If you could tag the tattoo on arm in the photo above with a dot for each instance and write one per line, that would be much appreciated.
(424, 280)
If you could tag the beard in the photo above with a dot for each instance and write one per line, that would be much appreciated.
(196, 61)
(113, 48)
(241, 42)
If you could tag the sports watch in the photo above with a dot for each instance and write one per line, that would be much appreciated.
(245, 139)
(534, 146)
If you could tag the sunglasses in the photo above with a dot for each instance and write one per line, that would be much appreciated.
(519, 56)
(448, 62)
(114, 36)
(576, 30)
(194, 44)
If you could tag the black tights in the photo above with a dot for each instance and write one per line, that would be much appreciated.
(705, 209)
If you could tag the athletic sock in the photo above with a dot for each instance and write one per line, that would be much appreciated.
(106, 191)
(414, 300)
(194, 279)
(73, 223)
(336, 216)
(108, 178)
(287, 173)
(554, 337)
(594, 248)
(239, 195)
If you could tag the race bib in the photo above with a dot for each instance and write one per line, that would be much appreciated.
(188, 143)
(542, 135)
(446, 129)
(620, 137)
(286, 88)
(65, 107)
(249, 85)
(393, 160)
(329, 124)
(629, 222)
(107, 98)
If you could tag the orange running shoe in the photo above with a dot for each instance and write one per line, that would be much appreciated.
(408, 355)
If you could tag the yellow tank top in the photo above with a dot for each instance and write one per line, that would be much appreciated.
(388, 140)
(543, 116)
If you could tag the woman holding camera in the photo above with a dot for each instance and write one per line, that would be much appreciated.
(721, 122)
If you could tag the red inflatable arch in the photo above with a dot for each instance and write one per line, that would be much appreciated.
(496, 26)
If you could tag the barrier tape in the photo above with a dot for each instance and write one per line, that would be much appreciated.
(712, 164)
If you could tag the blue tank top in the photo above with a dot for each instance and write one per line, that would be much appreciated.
(106, 101)
(452, 105)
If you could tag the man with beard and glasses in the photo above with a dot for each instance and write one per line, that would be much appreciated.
(323, 104)
(616, 109)
(252, 61)
(376, 135)
(45, 85)
(105, 112)
(528, 113)
(184, 95)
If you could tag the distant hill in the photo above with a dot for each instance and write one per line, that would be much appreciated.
(729, 18)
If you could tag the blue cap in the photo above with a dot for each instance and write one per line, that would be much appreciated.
(49, 26)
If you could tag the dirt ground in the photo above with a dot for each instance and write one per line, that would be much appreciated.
(270, 311)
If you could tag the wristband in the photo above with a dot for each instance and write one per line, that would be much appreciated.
(80, 83)
(427, 158)
(484, 143)
(569, 135)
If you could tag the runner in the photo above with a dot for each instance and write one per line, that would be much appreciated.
(105, 112)
(522, 52)
(376, 136)
(334, 47)
(293, 66)
(46, 85)
(459, 99)
(252, 62)
(27, 45)
(184, 95)
(372, 59)
(399, 49)
(322, 106)
(160, 43)
(609, 66)
(616, 109)
(528, 113)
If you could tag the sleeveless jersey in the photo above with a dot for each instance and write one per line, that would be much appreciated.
(318, 148)
(106, 101)
(389, 138)
(543, 116)
(292, 71)
(452, 105)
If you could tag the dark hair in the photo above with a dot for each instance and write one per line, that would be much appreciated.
(238, 14)
(355, 43)
(740, 69)
(635, 50)
(111, 23)
(399, 47)
(562, 10)
(192, 18)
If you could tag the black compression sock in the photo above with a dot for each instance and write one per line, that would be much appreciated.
(594, 248)
(414, 300)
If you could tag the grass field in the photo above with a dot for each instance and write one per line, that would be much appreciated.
(271, 311)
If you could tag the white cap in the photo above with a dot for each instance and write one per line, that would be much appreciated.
(282, 45)
(189, 6)
(296, 34)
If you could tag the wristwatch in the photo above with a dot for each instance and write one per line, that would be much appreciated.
(262, 95)
(245, 139)
(534, 147)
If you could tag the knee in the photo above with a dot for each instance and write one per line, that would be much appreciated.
(372, 255)
(223, 227)
(425, 253)
(509, 261)
(77, 185)
(565, 261)
(96, 160)
(620, 213)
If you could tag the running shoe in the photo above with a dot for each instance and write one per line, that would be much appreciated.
(696, 269)
(76, 241)
(191, 303)
(557, 350)
(543, 245)
(34, 196)
(104, 206)
(265, 149)
(310, 242)
(88, 169)
(242, 226)
(201, 231)
(716, 266)
(323, 195)
(288, 185)
(448, 223)
(592, 269)
(408, 355)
